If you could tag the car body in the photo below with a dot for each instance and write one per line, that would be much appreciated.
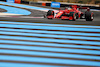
(71, 13)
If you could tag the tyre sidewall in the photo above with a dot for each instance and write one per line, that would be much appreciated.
(89, 16)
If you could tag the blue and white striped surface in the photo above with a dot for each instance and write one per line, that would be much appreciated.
(24, 6)
(24, 44)
(32, 7)
(14, 10)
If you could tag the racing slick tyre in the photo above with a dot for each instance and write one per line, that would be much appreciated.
(89, 16)
(77, 16)
(50, 12)
(74, 16)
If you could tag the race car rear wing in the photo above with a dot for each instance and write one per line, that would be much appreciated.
(83, 7)
(80, 7)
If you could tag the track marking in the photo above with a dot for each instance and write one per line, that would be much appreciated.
(36, 43)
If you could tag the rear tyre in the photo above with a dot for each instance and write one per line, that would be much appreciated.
(89, 16)
(77, 16)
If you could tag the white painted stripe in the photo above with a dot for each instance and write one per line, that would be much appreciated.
(1, 14)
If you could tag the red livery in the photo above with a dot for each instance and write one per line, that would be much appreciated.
(71, 13)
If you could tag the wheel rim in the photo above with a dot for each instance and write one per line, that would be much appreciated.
(92, 17)
(74, 17)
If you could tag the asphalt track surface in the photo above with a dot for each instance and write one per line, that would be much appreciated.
(39, 42)
(37, 13)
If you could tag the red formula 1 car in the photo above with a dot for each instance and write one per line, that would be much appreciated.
(72, 13)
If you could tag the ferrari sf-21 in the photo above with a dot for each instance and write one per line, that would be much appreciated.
(71, 13)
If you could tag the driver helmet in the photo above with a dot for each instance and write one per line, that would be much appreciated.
(69, 8)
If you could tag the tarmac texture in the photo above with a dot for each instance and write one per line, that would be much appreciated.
(28, 41)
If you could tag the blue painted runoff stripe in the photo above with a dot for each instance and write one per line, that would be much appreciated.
(24, 6)
(51, 44)
(8, 64)
(54, 44)
(49, 54)
(50, 24)
(50, 49)
(51, 32)
(49, 60)
(51, 40)
(14, 10)
(50, 28)
(48, 35)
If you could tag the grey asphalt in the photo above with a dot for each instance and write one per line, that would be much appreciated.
(37, 13)
(96, 20)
